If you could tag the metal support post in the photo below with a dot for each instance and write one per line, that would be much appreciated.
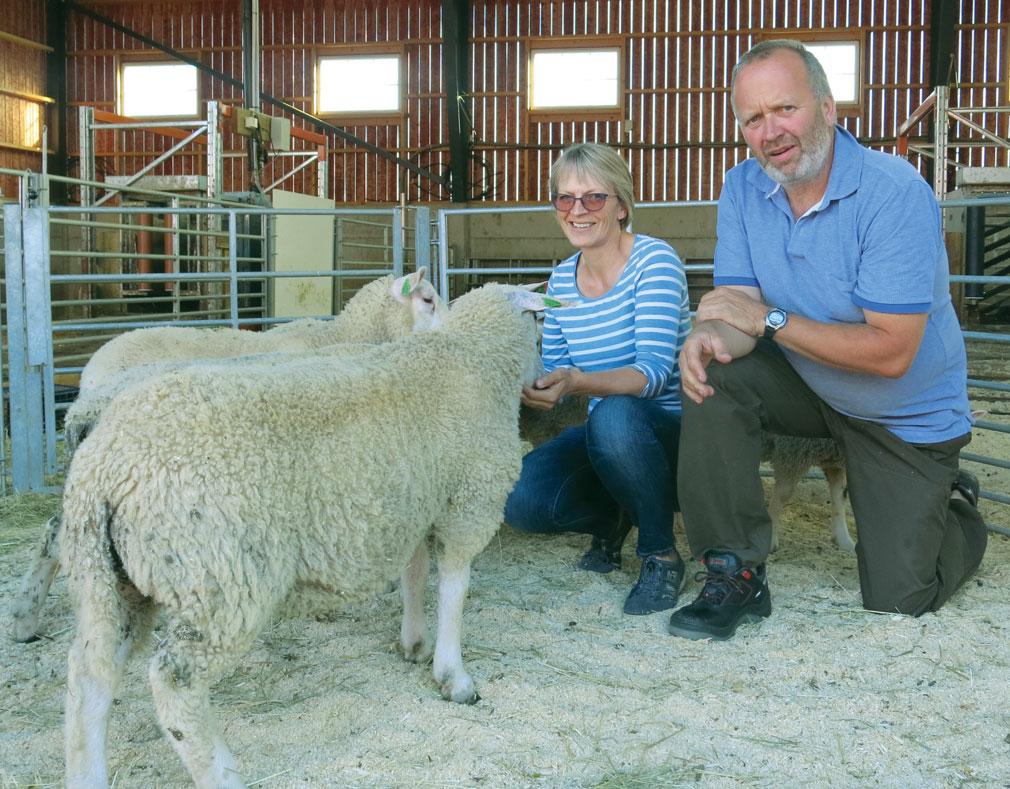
(215, 158)
(974, 249)
(233, 266)
(443, 257)
(422, 239)
(397, 242)
(28, 347)
(940, 122)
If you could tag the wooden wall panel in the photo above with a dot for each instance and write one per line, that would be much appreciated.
(23, 96)
(677, 133)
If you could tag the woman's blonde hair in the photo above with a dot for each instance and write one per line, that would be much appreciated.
(601, 163)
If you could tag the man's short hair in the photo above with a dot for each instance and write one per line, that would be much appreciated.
(815, 71)
(601, 163)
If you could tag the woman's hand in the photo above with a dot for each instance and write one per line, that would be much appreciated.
(548, 390)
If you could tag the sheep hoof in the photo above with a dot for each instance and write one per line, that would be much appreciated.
(24, 628)
(25, 638)
(460, 692)
(417, 652)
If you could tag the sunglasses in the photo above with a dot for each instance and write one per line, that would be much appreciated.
(593, 201)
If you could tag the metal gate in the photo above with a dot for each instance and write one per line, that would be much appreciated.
(67, 291)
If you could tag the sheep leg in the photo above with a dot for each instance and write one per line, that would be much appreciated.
(109, 624)
(35, 585)
(181, 673)
(453, 581)
(836, 489)
(414, 627)
(785, 484)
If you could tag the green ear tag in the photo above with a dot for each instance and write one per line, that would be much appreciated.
(549, 302)
(406, 287)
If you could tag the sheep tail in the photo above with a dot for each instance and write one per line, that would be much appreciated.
(95, 562)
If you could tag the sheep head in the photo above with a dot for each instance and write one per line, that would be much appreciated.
(427, 308)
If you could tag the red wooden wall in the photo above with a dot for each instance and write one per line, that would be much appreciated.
(676, 129)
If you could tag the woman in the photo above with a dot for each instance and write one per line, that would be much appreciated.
(618, 344)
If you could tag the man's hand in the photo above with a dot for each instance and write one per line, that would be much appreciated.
(702, 346)
(736, 307)
(549, 389)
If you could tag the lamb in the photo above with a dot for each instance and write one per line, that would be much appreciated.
(371, 316)
(790, 457)
(384, 309)
(333, 472)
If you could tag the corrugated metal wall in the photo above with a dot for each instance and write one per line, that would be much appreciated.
(677, 128)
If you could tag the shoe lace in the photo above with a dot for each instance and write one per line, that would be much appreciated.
(716, 587)
(653, 575)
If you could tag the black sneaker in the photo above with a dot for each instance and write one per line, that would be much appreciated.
(659, 583)
(967, 485)
(604, 554)
(732, 593)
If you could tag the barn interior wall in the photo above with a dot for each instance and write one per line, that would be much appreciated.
(677, 132)
(23, 98)
(500, 238)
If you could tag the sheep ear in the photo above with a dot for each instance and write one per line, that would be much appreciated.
(536, 286)
(535, 302)
(403, 286)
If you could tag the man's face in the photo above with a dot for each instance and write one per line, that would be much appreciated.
(789, 132)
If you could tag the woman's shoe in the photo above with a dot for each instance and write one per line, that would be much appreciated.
(658, 586)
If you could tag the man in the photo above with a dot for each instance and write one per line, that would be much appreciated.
(831, 316)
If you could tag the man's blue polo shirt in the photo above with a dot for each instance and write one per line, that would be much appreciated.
(874, 242)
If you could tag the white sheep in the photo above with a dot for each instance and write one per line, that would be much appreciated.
(790, 457)
(383, 310)
(332, 472)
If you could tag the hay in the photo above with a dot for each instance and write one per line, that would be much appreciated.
(574, 693)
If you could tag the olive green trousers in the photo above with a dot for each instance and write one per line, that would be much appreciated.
(915, 544)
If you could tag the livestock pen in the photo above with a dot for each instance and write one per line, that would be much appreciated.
(573, 693)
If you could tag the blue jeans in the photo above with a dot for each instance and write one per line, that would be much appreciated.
(623, 458)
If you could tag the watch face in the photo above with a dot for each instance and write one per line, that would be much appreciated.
(776, 319)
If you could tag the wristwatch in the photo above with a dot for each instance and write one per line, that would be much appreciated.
(775, 319)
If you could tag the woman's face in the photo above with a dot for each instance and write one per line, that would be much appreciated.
(586, 229)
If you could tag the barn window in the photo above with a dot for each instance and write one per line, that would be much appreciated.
(840, 60)
(358, 84)
(569, 78)
(158, 90)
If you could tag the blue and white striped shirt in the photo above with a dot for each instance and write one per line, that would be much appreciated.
(641, 322)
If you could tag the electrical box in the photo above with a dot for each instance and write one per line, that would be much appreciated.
(280, 134)
(250, 123)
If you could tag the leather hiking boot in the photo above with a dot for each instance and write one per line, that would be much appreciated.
(967, 485)
(604, 554)
(658, 586)
(731, 593)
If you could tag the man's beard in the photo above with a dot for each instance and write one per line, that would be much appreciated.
(816, 149)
